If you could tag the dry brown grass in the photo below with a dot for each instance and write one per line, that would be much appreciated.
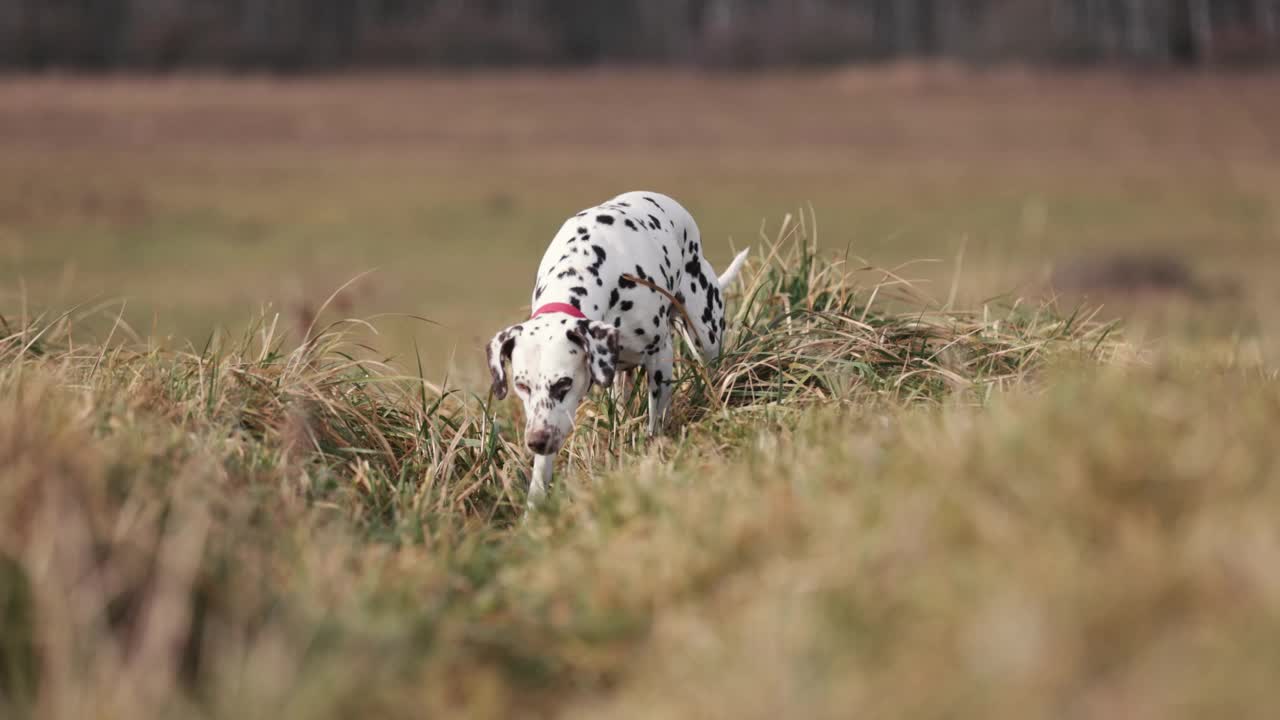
(170, 517)
(887, 500)
(206, 196)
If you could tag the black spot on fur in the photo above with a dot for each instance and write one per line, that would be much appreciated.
(605, 219)
(624, 283)
(654, 222)
(627, 305)
(613, 298)
(574, 302)
(623, 203)
(578, 290)
(640, 273)
(640, 331)
(582, 231)
(655, 203)
(600, 256)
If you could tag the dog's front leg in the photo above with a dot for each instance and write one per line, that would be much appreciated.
(541, 480)
(659, 368)
(621, 386)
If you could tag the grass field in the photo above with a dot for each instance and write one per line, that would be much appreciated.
(197, 200)
(949, 499)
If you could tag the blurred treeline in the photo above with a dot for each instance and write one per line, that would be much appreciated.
(320, 34)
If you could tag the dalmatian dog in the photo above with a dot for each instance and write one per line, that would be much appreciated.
(598, 310)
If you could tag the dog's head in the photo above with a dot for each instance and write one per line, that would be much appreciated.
(554, 360)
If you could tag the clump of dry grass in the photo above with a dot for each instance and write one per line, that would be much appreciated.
(247, 528)
(805, 334)
(805, 329)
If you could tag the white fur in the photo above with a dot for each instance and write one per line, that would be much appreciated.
(591, 263)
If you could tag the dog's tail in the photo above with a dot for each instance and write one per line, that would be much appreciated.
(731, 274)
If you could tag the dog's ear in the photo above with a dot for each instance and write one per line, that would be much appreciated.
(600, 340)
(498, 353)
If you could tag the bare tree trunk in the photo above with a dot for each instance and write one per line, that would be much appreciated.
(1136, 19)
(1201, 29)
(1094, 27)
(1266, 13)
(1059, 22)
(720, 17)
(905, 22)
(31, 31)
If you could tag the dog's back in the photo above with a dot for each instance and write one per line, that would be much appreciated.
(643, 235)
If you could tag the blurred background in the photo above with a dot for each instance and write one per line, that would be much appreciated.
(194, 160)
(319, 34)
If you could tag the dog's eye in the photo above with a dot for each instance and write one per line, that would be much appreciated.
(522, 388)
(561, 388)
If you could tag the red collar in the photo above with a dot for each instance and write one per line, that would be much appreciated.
(565, 308)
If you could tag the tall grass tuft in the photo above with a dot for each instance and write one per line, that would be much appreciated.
(260, 525)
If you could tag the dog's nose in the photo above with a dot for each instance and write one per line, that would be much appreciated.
(539, 441)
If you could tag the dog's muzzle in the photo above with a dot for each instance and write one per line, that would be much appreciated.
(541, 442)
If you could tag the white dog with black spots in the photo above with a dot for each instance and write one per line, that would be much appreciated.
(592, 319)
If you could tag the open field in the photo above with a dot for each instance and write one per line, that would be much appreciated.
(197, 200)
(884, 500)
